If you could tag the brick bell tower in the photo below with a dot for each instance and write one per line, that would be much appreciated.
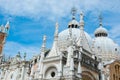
(4, 30)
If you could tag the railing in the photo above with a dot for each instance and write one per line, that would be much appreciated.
(89, 62)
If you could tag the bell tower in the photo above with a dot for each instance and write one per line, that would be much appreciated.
(3, 34)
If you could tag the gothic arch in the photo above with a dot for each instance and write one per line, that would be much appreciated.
(87, 76)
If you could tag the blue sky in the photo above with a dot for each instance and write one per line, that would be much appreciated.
(31, 19)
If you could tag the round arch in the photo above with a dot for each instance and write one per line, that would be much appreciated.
(87, 76)
(50, 72)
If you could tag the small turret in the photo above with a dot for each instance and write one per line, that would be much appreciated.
(5, 29)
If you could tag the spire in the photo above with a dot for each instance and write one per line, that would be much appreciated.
(24, 56)
(18, 55)
(56, 31)
(55, 50)
(73, 11)
(81, 20)
(7, 26)
(5, 29)
(81, 29)
(44, 43)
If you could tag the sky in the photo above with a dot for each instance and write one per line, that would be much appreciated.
(31, 19)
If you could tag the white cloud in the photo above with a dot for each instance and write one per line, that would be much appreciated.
(55, 8)
(15, 47)
(115, 33)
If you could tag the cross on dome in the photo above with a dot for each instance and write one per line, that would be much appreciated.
(100, 19)
(73, 11)
(73, 23)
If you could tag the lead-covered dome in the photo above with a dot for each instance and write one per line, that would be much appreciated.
(63, 38)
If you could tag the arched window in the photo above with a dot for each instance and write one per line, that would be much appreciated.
(72, 25)
(75, 26)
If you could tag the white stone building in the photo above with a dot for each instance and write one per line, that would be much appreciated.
(73, 56)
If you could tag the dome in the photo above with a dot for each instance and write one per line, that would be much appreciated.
(106, 48)
(63, 38)
(101, 32)
(73, 24)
